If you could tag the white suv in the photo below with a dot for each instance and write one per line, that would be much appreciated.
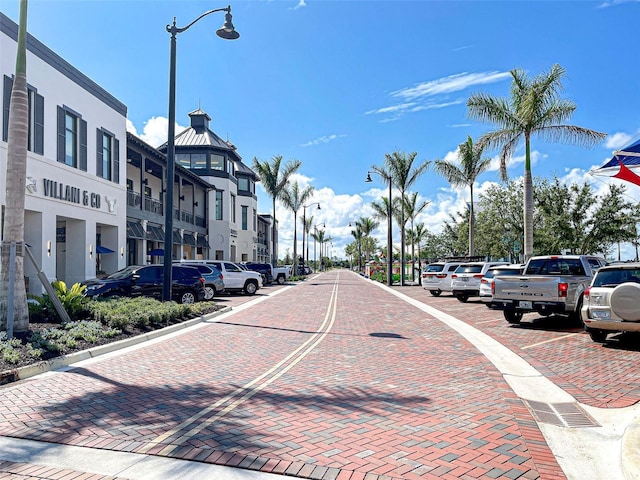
(436, 277)
(610, 303)
(465, 281)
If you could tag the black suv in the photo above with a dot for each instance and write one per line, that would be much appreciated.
(263, 268)
(135, 281)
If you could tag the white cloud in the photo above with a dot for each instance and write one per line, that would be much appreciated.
(619, 140)
(452, 83)
(300, 4)
(613, 3)
(155, 130)
(323, 139)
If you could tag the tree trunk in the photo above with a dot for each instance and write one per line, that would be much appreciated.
(528, 204)
(15, 196)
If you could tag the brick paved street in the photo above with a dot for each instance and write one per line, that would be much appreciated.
(334, 378)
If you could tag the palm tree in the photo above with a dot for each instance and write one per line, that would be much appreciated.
(419, 235)
(533, 108)
(274, 182)
(14, 191)
(293, 198)
(412, 207)
(306, 227)
(358, 235)
(469, 167)
(399, 167)
(367, 225)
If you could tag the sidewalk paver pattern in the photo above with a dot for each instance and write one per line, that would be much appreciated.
(604, 376)
(332, 379)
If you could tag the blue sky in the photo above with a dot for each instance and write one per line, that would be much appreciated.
(337, 84)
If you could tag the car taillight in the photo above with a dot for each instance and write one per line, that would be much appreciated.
(493, 288)
(563, 288)
(587, 292)
(454, 276)
(484, 280)
(201, 280)
(221, 277)
(478, 276)
(441, 275)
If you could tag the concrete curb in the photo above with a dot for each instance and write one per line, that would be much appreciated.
(630, 454)
(23, 373)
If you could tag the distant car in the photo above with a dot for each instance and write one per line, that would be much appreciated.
(187, 284)
(465, 281)
(436, 277)
(236, 278)
(213, 280)
(487, 281)
(612, 302)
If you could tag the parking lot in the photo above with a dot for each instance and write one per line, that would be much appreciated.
(604, 376)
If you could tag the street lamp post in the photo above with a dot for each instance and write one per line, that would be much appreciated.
(305, 232)
(228, 32)
(389, 233)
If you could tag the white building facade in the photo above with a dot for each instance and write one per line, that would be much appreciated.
(75, 206)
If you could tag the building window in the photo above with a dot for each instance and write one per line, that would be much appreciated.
(72, 139)
(218, 204)
(107, 156)
(231, 168)
(192, 161)
(35, 140)
(233, 208)
(243, 184)
(255, 220)
(129, 185)
(147, 192)
(245, 213)
(217, 162)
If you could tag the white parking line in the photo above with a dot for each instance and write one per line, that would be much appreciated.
(549, 341)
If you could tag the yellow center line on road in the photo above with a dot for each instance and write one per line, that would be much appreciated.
(254, 386)
(549, 341)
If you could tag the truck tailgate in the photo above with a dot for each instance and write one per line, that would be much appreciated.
(526, 288)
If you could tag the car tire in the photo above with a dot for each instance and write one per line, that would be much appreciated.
(281, 280)
(598, 336)
(576, 316)
(187, 297)
(462, 298)
(251, 287)
(512, 316)
(435, 293)
(209, 292)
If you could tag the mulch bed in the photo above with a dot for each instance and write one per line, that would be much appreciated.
(82, 345)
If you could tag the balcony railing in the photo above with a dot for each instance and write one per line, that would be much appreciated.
(153, 206)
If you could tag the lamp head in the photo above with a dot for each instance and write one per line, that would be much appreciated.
(318, 206)
(368, 179)
(227, 31)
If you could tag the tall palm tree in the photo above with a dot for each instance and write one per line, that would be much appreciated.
(533, 108)
(14, 190)
(367, 225)
(274, 182)
(469, 167)
(306, 228)
(420, 234)
(399, 167)
(412, 207)
(358, 235)
(294, 198)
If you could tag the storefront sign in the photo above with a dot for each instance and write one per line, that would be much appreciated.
(71, 194)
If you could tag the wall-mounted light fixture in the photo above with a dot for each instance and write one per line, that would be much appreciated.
(122, 251)
(48, 248)
(195, 204)
(182, 197)
(145, 181)
(91, 250)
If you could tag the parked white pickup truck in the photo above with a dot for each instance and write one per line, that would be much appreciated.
(235, 278)
(281, 274)
(550, 284)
